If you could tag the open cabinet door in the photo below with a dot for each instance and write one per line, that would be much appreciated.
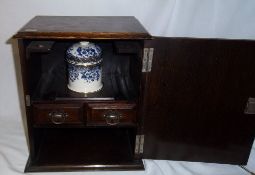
(195, 100)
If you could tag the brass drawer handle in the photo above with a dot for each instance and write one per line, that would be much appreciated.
(58, 117)
(112, 117)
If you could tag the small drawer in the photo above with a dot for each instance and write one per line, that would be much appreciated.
(57, 114)
(110, 114)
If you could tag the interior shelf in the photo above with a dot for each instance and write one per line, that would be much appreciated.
(49, 79)
(73, 147)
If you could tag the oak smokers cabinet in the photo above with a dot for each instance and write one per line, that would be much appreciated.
(162, 98)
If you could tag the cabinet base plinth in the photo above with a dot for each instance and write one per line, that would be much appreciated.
(33, 167)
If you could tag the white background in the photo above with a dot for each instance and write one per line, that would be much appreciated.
(193, 18)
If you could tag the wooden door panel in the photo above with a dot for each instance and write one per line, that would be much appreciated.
(197, 92)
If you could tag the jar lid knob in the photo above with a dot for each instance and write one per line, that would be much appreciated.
(84, 43)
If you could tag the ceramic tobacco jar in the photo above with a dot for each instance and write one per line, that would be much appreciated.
(84, 67)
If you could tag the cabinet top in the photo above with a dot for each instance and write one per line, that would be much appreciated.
(83, 27)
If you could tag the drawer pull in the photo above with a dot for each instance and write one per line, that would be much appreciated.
(58, 117)
(112, 117)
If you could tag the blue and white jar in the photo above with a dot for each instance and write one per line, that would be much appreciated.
(84, 67)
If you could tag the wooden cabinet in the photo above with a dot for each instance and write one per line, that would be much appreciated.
(163, 98)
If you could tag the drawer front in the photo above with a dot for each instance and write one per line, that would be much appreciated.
(57, 114)
(105, 114)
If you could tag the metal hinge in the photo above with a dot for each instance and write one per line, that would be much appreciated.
(250, 106)
(139, 142)
(147, 59)
(27, 99)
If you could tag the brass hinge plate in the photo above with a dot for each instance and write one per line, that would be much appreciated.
(147, 59)
(139, 142)
(250, 106)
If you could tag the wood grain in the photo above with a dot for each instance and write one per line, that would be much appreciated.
(83, 27)
(196, 96)
(74, 113)
(96, 112)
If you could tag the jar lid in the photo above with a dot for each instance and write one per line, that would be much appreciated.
(84, 52)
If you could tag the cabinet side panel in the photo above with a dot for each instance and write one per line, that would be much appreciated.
(196, 95)
(24, 74)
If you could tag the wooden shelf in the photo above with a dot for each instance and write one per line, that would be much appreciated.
(76, 148)
(49, 81)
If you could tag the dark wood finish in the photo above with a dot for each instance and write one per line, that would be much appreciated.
(80, 27)
(136, 165)
(25, 82)
(129, 47)
(96, 113)
(78, 149)
(69, 144)
(39, 47)
(42, 114)
(197, 93)
(189, 107)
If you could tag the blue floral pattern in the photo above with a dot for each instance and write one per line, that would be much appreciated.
(88, 74)
(79, 53)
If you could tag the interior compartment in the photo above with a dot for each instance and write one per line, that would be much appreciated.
(65, 146)
(121, 70)
(77, 146)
